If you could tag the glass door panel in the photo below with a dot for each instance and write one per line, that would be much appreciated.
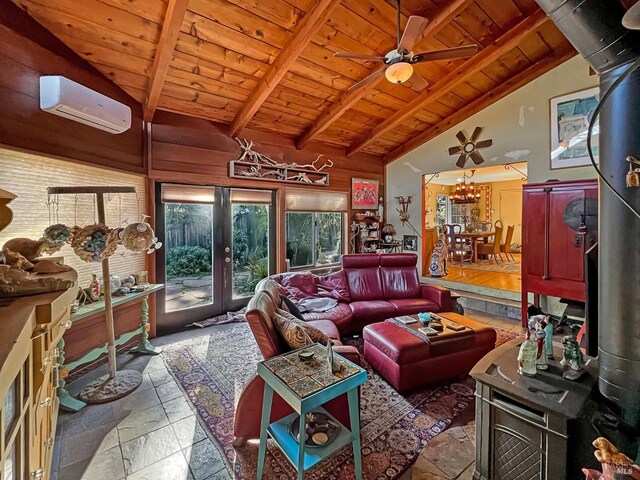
(250, 252)
(189, 256)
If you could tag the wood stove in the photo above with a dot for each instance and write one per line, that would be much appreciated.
(523, 424)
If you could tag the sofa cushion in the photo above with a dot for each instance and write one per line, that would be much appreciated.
(364, 283)
(300, 285)
(291, 307)
(360, 260)
(372, 310)
(341, 316)
(400, 281)
(271, 288)
(327, 327)
(334, 286)
(296, 333)
(412, 306)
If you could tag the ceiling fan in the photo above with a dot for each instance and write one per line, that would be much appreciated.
(399, 62)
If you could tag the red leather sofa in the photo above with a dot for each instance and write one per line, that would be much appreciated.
(260, 314)
(376, 287)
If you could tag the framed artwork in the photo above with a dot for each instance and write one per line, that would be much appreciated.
(570, 117)
(364, 194)
(410, 243)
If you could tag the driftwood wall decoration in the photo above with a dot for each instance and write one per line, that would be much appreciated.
(258, 166)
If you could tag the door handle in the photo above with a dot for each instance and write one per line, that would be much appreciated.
(227, 249)
(227, 259)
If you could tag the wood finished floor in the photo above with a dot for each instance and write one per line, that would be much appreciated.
(484, 278)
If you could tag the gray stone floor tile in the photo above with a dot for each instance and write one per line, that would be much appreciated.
(136, 401)
(87, 418)
(149, 449)
(188, 431)
(169, 391)
(177, 409)
(142, 422)
(85, 444)
(204, 459)
(104, 465)
(174, 467)
(160, 376)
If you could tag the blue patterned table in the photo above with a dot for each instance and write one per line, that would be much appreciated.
(306, 386)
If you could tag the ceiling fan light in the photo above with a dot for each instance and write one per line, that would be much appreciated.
(399, 72)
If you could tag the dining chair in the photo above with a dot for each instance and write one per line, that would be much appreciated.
(457, 244)
(486, 226)
(493, 248)
(506, 246)
(498, 223)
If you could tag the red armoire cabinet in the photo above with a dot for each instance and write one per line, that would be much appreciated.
(559, 224)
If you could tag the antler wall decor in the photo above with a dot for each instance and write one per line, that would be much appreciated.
(469, 147)
(403, 211)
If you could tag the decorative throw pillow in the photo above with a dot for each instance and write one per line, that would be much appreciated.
(295, 332)
(300, 285)
(291, 307)
(334, 286)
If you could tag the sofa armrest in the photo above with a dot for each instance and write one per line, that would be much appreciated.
(349, 352)
(440, 295)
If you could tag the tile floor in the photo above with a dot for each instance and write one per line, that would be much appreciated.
(153, 433)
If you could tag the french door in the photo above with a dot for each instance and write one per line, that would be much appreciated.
(218, 244)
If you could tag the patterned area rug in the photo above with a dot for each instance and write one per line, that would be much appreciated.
(212, 370)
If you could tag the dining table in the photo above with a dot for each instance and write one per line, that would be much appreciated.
(475, 237)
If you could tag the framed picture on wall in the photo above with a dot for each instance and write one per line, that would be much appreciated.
(410, 243)
(570, 117)
(364, 194)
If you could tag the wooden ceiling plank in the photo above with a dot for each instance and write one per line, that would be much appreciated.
(152, 10)
(351, 98)
(176, 10)
(512, 84)
(311, 22)
(491, 53)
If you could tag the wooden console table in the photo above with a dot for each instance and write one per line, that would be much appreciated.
(67, 402)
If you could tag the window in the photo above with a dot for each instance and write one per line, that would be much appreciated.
(314, 238)
(442, 209)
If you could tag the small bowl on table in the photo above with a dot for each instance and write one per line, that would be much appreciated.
(306, 355)
(424, 318)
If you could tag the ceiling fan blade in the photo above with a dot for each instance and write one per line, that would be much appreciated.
(359, 56)
(462, 159)
(484, 143)
(447, 54)
(418, 83)
(461, 137)
(476, 133)
(412, 32)
(366, 80)
(476, 157)
(455, 150)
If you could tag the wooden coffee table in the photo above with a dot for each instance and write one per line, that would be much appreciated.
(447, 333)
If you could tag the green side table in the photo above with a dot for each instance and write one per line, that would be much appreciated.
(306, 385)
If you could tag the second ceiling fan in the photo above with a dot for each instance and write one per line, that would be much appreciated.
(399, 62)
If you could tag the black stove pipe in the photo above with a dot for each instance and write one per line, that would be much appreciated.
(594, 27)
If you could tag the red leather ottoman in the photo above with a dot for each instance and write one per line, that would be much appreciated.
(408, 362)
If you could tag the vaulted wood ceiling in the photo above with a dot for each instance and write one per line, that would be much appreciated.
(269, 65)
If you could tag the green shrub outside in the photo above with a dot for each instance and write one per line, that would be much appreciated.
(187, 261)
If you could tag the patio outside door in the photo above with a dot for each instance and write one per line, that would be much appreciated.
(218, 244)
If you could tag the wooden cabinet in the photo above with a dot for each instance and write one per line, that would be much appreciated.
(559, 225)
(32, 327)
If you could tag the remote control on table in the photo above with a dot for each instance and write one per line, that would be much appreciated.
(455, 326)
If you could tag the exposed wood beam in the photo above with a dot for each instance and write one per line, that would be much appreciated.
(309, 25)
(509, 86)
(505, 43)
(349, 99)
(176, 9)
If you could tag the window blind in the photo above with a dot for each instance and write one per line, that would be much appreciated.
(297, 200)
(187, 194)
(243, 196)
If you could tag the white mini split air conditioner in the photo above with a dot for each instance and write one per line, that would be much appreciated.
(66, 98)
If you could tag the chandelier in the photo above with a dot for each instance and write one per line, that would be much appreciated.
(466, 192)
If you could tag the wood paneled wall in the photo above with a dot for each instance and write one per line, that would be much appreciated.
(28, 51)
(192, 150)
